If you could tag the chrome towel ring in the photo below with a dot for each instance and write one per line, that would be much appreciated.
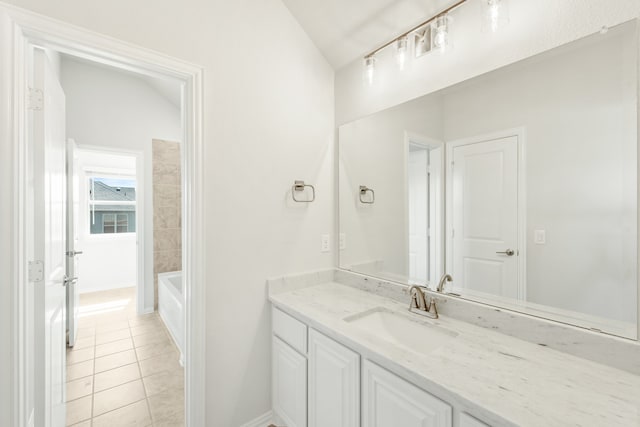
(299, 186)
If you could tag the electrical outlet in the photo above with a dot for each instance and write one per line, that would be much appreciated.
(325, 245)
(539, 237)
(343, 241)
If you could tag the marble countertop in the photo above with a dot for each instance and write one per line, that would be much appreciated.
(500, 379)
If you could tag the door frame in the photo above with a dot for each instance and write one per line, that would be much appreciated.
(21, 29)
(520, 134)
(428, 143)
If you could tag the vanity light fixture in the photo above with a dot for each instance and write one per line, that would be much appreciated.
(495, 14)
(402, 50)
(441, 31)
(422, 35)
(369, 69)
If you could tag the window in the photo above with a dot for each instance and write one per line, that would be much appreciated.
(115, 223)
(112, 205)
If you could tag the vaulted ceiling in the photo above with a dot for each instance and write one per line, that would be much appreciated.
(345, 30)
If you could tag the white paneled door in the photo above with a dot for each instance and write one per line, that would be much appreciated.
(73, 297)
(48, 275)
(484, 216)
(418, 203)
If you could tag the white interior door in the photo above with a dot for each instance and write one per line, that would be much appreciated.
(73, 297)
(418, 191)
(484, 215)
(49, 184)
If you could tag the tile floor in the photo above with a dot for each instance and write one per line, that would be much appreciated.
(124, 369)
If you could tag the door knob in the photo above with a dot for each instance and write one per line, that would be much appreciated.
(74, 253)
(508, 252)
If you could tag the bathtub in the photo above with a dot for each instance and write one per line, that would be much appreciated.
(171, 308)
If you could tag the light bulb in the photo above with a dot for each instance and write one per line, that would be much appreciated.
(496, 14)
(402, 49)
(441, 28)
(369, 69)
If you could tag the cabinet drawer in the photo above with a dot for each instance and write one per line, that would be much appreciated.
(289, 330)
(467, 420)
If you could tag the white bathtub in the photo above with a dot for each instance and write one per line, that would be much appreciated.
(170, 306)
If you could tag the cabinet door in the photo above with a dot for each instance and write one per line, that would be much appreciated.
(389, 401)
(289, 384)
(334, 383)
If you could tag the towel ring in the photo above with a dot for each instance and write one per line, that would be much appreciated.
(363, 191)
(299, 186)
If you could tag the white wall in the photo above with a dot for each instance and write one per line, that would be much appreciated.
(118, 110)
(535, 26)
(372, 153)
(268, 120)
(108, 261)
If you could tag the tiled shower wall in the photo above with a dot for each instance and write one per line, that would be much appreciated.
(167, 213)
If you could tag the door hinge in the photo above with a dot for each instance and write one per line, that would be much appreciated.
(36, 271)
(35, 100)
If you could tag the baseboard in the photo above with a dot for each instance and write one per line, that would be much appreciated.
(262, 421)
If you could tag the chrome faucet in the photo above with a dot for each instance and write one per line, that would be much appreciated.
(443, 279)
(419, 305)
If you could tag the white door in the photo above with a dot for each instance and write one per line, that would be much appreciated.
(418, 193)
(289, 384)
(484, 214)
(334, 383)
(49, 186)
(390, 401)
(73, 298)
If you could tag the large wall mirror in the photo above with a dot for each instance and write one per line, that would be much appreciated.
(520, 183)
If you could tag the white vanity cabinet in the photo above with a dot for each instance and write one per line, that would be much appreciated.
(390, 401)
(289, 369)
(289, 384)
(319, 382)
(334, 383)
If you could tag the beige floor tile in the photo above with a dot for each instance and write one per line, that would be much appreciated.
(166, 405)
(78, 410)
(175, 420)
(146, 329)
(86, 423)
(84, 332)
(136, 414)
(144, 319)
(112, 336)
(79, 370)
(116, 377)
(79, 388)
(112, 326)
(115, 360)
(157, 364)
(117, 397)
(163, 381)
(88, 341)
(155, 349)
(114, 347)
(80, 355)
(151, 338)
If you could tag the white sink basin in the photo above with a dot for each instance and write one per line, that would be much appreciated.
(416, 334)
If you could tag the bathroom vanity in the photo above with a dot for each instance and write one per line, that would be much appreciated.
(521, 184)
(344, 357)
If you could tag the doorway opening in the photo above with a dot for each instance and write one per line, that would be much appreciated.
(39, 375)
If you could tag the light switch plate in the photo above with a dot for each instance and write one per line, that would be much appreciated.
(343, 241)
(325, 245)
(539, 237)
